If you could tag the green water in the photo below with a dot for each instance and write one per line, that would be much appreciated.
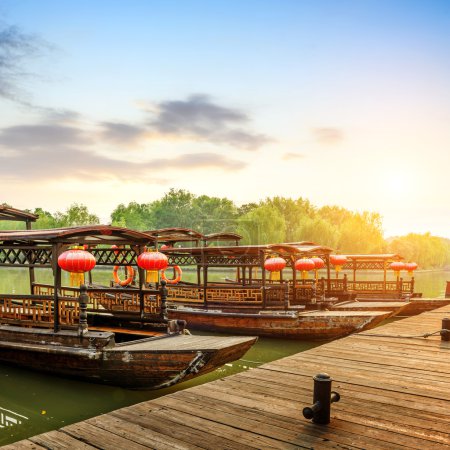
(32, 403)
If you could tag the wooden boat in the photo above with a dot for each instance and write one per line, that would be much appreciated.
(149, 363)
(305, 325)
(254, 303)
(48, 329)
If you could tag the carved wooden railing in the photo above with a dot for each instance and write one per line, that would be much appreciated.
(372, 287)
(38, 310)
(110, 299)
(227, 295)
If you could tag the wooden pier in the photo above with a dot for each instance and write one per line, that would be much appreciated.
(394, 387)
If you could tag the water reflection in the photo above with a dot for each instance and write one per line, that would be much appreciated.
(10, 418)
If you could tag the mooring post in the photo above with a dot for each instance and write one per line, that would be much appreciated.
(83, 300)
(319, 412)
(163, 293)
(445, 331)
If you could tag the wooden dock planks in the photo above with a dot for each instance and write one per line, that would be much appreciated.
(395, 394)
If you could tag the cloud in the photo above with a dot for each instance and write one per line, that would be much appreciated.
(121, 133)
(328, 135)
(16, 48)
(35, 152)
(290, 156)
(199, 118)
(44, 136)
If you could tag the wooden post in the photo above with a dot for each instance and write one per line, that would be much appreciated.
(83, 301)
(294, 285)
(384, 276)
(205, 280)
(327, 258)
(163, 293)
(31, 269)
(56, 285)
(263, 276)
(141, 273)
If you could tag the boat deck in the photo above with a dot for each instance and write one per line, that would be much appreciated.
(183, 343)
(394, 387)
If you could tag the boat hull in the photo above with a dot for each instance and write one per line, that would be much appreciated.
(150, 363)
(311, 325)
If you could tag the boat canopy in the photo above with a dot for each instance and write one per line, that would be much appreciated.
(90, 234)
(8, 213)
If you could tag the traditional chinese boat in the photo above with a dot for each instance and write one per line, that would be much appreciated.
(48, 329)
(250, 300)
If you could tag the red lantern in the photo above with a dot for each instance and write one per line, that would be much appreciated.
(397, 266)
(152, 261)
(318, 262)
(274, 264)
(76, 261)
(338, 261)
(304, 265)
(411, 267)
(165, 247)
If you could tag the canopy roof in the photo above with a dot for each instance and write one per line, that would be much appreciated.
(8, 213)
(307, 248)
(375, 257)
(90, 234)
(222, 237)
(172, 235)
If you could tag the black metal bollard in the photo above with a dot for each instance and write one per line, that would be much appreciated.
(445, 331)
(319, 412)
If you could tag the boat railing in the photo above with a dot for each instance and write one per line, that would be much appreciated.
(396, 288)
(226, 294)
(37, 310)
(113, 299)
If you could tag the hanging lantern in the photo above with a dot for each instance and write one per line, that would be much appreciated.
(304, 265)
(338, 261)
(77, 262)
(275, 265)
(152, 262)
(397, 266)
(411, 267)
(165, 247)
(319, 263)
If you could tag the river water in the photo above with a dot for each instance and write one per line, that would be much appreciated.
(32, 403)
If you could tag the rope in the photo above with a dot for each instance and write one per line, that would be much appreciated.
(425, 335)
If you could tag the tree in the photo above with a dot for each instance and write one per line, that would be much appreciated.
(317, 230)
(136, 216)
(75, 215)
(262, 225)
(213, 215)
(293, 212)
(173, 210)
(361, 233)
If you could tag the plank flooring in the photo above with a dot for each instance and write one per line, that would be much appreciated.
(394, 387)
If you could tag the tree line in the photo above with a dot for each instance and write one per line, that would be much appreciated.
(273, 220)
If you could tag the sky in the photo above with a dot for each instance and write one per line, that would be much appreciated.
(340, 102)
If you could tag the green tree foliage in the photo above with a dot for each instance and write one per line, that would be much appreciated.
(136, 216)
(361, 233)
(75, 215)
(261, 225)
(426, 250)
(45, 220)
(213, 215)
(293, 213)
(317, 230)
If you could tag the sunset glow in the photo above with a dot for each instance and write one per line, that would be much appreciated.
(342, 103)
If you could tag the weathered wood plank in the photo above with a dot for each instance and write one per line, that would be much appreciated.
(395, 394)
